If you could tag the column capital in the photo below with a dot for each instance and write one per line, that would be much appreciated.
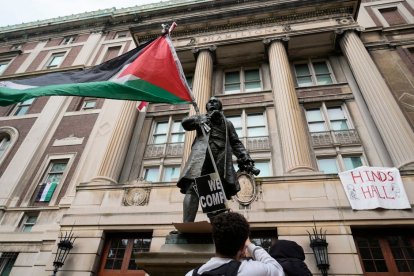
(269, 40)
(211, 48)
(343, 30)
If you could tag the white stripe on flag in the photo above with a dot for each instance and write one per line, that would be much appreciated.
(44, 193)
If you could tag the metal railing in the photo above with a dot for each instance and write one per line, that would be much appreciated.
(163, 150)
(335, 137)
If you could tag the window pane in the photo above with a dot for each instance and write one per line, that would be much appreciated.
(161, 128)
(89, 104)
(304, 81)
(151, 174)
(139, 245)
(171, 173)
(232, 82)
(178, 133)
(264, 167)
(255, 120)
(252, 80)
(339, 125)
(4, 144)
(116, 254)
(320, 68)
(302, 70)
(314, 115)
(328, 165)
(252, 75)
(317, 127)
(232, 77)
(160, 139)
(189, 81)
(58, 167)
(3, 66)
(323, 79)
(256, 131)
(232, 88)
(252, 86)
(55, 61)
(237, 123)
(336, 113)
(352, 162)
(177, 127)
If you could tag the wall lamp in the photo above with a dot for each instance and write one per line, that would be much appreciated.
(64, 246)
(320, 249)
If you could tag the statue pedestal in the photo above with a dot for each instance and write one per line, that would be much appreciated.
(185, 249)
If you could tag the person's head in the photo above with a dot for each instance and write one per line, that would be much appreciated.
(286, 249)
(214, 104)
(230, 232)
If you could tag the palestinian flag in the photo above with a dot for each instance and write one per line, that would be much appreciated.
(151, 72)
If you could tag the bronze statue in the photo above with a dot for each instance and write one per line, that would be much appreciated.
(223, 141)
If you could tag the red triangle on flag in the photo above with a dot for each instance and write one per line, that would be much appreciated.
(156, 65)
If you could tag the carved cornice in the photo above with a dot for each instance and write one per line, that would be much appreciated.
(284, 20)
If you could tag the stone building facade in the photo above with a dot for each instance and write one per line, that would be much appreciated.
(312, 88)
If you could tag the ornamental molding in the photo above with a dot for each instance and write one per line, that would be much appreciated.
(248, 190)
(71, 140)
(136, 196)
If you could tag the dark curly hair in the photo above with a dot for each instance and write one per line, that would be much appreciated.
(230, 232)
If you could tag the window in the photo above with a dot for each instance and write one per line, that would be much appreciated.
(392, 16)
(68, 40)
(189, 80)
(29, 220)
(263, 238)
(386, 251)
(3, 65)
(51, 179)
(330, 165)
(55, 60)
(167, 173)
(330, 125)
(4, 143)
(23, 107)
(151, 174)
(244, 80)
(171, 173)
(7, 260)
(118, 257)
(264, 167)
(111, 53)
(313, 73)
(16, 47)
(252, 130)
(168, 131)
(89, 104)
(326, 118)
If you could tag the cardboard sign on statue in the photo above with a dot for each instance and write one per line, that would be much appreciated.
(211, 193)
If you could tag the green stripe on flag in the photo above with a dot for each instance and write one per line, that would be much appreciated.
(131, 90)
(49, 194)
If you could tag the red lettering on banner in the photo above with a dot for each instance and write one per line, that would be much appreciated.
(356, 177)
(368, 191)
(386, 195)
(391, 176)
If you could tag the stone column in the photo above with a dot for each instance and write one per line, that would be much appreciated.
(391, 123)
(115, 152)
(202, 86)
(293, 133)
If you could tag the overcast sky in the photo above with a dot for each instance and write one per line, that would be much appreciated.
(24, 11)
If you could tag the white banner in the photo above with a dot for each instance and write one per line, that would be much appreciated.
(374, 187)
